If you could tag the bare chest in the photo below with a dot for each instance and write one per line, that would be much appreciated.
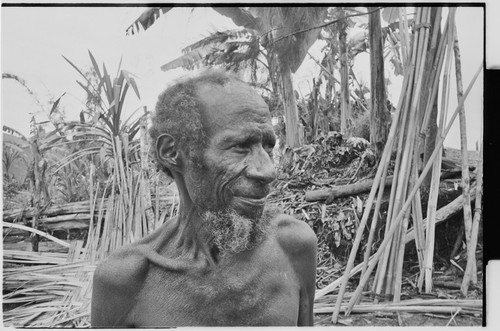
(246, 293)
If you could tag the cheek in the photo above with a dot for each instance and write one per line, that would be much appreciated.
(206, 184)
(212, 180)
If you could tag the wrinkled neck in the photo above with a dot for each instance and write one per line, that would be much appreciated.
(189, 236)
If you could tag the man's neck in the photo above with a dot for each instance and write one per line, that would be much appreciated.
(189, 237)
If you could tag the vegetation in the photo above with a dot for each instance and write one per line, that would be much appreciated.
(92, 186)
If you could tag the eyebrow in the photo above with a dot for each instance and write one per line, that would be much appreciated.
(248, 134)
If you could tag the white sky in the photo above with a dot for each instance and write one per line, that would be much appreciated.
(33, 40)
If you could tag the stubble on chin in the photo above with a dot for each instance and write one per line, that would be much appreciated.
(232, 232)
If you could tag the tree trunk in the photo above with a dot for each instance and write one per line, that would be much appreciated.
(378, 120)
(293, 138)
(344, 190)
(345, 112)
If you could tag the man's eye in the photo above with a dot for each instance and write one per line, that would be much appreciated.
(240, 148)
(269, 147)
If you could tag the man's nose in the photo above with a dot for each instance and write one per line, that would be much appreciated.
(261, 167)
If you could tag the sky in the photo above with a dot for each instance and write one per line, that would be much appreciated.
(34, 39)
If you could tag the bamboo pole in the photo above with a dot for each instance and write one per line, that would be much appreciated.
(380, 277)
(433, 71)
(385, 263)
(375, 219)
(443, 214)
(398, 219)
(384, 158)
(397, 259)
(434, 189)
(68, 208)
(465, 157)
(363, 309)
(405, 39)
(470, 271)
(389, 260)
(434, 86)
(35, 231)
(418, 217)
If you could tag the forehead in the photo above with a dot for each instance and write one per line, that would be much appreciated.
(232, 105)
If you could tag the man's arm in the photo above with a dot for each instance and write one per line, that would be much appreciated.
(300, 242)
(116, 283)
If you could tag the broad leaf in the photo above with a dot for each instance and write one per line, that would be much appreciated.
(390, 14)
(14, 132)
(240, 17)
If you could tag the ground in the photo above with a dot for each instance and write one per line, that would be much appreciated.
(405, 319)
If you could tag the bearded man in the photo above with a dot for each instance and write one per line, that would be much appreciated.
(225, 259)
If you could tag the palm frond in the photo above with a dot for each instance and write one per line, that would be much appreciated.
(240, 16)
(11, 131)
(147, 18)
(189, 60)
(55, 104)
(210, 47)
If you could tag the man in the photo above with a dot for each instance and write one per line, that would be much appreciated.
(224, 260)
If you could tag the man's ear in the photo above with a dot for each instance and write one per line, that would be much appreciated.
(167, 152)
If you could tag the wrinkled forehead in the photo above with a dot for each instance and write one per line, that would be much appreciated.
(233, 104)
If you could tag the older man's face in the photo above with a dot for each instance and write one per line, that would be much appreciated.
(236, 168)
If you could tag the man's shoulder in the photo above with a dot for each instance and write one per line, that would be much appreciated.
(124, 268)
(127, 264)
(296, 237)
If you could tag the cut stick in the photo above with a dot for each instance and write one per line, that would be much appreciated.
(398, 219)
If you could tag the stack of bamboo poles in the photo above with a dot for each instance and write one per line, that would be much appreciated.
(73, 215)
(442, 306)
(407, 129)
